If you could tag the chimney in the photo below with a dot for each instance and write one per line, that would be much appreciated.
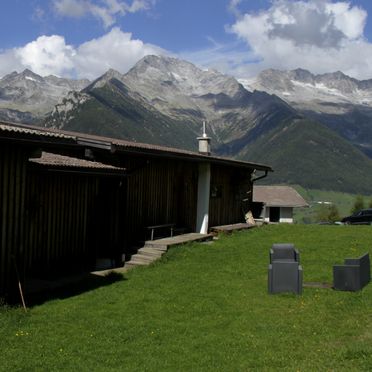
(204, 142)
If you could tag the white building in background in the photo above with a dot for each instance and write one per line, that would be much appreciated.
(278, 202)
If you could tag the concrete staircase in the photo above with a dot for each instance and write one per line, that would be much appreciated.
(154, 249)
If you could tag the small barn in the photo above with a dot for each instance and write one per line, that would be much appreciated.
(276, 203)
(68, 200)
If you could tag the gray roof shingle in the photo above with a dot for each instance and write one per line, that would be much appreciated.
(55, 160)
(278, 196)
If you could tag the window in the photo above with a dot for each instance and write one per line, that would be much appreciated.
(216, 191)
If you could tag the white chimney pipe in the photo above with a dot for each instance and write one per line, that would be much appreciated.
(204, 142)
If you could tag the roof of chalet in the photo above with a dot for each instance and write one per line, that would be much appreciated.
(278, 196)
(30, 133)
(55, 160)
(31, 130)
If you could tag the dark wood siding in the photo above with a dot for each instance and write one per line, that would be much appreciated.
(159, 192)
(58, 209)
(232, 188)
(72, 219)
(55, 223)
(12, 211)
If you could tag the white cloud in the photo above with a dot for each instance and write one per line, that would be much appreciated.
(47, 55)
(115, 50)
(351, 20)
(233, 7)
(51, 55)
(9, 62)
(225, 58)
(38, 14)
(71, 8)
(319, 35)
(107, 11)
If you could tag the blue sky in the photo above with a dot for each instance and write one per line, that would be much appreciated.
(83, 38)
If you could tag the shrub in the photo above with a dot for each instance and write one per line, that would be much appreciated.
(328, 213)
(358, 204)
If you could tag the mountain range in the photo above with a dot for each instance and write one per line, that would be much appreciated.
(342, 103)
(164, 100)
(314, 130)
(27, 97)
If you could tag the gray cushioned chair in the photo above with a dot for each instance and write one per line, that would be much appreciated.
(285, 272)
(353, 275)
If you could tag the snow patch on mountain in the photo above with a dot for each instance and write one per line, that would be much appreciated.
(176, 87)
(301, 87)
(27, 92)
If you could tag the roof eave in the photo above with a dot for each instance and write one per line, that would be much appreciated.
(47, 138)
(189, 156)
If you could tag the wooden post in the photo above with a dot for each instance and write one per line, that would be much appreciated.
(19, 285)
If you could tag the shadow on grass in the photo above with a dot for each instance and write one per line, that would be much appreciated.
(66, 287)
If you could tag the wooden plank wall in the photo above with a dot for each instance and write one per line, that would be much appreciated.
(58, 208)
(234, 185)
(105, 234)
(55, 223)
(12, 202)
(71, 220)
(159, 192)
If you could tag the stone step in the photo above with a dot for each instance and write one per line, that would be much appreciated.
(154, 245)
(154, 249)
(130, 264)
(165, 243)
(139, 257)
(149, 256)
(118, 270)
(145, 258)
(150, 252)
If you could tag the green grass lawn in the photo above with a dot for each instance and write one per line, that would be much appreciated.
(343, 201)
(206, 307)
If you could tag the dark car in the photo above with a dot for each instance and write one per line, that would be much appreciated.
(362, 217)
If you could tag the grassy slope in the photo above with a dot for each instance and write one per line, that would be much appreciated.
(206, 307)
(307, 153)
(343, 201)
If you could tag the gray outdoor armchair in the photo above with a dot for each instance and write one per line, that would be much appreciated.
(284, 252)
(353, 275)
(285, 272)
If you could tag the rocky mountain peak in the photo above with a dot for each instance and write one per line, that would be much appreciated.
(338, 75)
(338, 80)
(303, 75)
(167, 77)
(106, 77)
(299, 86)
(15, 77)
(31, 94)
(9, 76)
(28, 74)
(271, 80)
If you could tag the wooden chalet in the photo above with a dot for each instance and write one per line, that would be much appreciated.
(68, 199)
